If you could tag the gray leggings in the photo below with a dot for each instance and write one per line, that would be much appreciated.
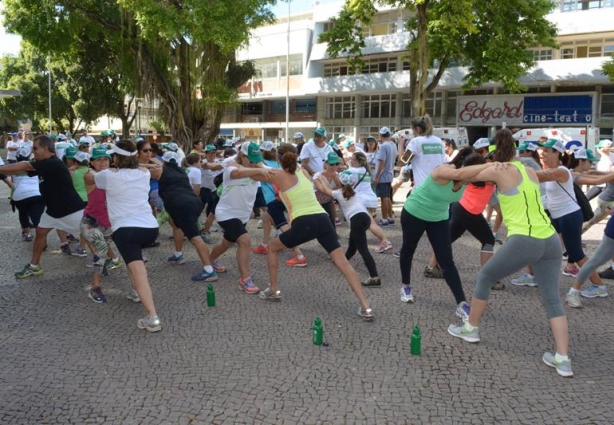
(544, 255)
(604, 252)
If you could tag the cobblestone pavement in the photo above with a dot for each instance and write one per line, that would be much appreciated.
(64, 359)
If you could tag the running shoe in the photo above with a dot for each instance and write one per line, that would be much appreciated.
(269, 295)
(150, 324)
(434, 273)
(219, 267)
(383, 223)
(524, 280)
(65, 248)
(28, 237)
(113, 264)
(295, 262)
(79, 252)
(372, 282)
(248, 286)
(571, 271)
(396, 254)
(261, 249)
(391, 222)
(573, 299)
(95, 259)
(383, 247)
(206, 236)
(71, 238)
(607, 273)
(595, 291)
(204, 276)
(563, 368)
(97, 296)
(407, 295)
(176, 260)
(29, 271)
(133, 296)
(463, 333)
(366, 314)
(498, 239)
(462, 311)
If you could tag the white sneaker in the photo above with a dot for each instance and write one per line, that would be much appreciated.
(407, 295)
(573, 299)
(524, 280)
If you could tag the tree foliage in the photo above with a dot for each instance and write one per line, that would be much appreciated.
(490, 37)
(608, 69)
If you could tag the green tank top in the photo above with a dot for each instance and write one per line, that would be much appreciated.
(79, 183)
(300, 199)
(431, 201)
(522, 209)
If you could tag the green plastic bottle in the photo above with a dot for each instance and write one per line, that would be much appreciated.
(416, 341)
(210, 296)
(318, 331)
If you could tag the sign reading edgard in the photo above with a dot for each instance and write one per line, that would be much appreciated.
(521, 109)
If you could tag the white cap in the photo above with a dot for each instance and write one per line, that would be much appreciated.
(229, 143)
(267, 146)
(298, 135)
(174, 147)
(82, 157)
(482, 142)
(170, 156)
(384, 131)
(346, 177)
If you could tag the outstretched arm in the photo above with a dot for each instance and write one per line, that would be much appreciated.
(18, 167)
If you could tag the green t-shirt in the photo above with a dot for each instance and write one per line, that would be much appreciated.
(431, 201)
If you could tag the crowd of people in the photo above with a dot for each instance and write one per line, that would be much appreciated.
(97, 191)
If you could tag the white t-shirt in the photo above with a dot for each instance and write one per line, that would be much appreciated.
(11, 155)
(315, 155)
(25, 187)
(604, 164)
(237, 199)
(429, 152)
(89, 139)
(364, 190)
(207, 175)
(127, 197)
(194, 176)
(561, 197)
(351, 206)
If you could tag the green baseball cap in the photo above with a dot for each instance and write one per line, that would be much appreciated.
(555, 144)
(527, 146)
(210, 148)
(348, 143)
(585, 154)
(321, 131)
(252, 151)
(604, 143)
(70, 152)
(332, 158)
(100, 152)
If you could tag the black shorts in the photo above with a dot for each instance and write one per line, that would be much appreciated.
(209, 199)
(276, 210)
(260, 202)
(131, 240)
(383, 190)
(233, 229)
(185, 216)
(310, 227)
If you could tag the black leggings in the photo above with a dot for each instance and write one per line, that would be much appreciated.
(209, 199)
(328, 207)
(30, 211)
(359, 224)
(462, 220)
(438, 233)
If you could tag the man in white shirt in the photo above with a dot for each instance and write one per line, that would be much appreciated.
(11, 148)
(315, 152)
(89, 139)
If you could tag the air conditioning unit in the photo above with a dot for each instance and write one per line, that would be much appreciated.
(254, 119)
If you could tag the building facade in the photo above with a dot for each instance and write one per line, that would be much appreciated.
(565, 89)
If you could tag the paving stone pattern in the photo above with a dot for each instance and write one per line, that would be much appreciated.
(64, 359)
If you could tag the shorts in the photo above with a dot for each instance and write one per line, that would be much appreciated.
(209, 198)
(276, 210)
(260, 202)
(233, 229)
(310, 227)
(96, 235)
(383, 190)
(185, 215)
(131, 240)
(69, 223)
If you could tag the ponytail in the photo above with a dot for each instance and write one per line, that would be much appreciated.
(347, 191)
(424, 123)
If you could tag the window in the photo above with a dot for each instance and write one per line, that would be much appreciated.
(374, 65)
(567, 53)
(379, 106)
(252, 108)
(296, 66)
(340, 107)
(542, 55)
(278, 107)
(433, 104)
(337, 69)
(573, 5)
(305, 106)
(276, 67)
(383, 24)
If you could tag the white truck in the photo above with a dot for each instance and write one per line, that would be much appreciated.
(574, 137)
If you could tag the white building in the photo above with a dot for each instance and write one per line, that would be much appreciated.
(566, 88)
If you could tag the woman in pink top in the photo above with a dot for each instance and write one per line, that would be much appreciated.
(95, 225)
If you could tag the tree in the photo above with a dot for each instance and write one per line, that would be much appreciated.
(608, 69)
(490, 37)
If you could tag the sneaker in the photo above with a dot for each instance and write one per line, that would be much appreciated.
(383, 247)
(150, 324)
(524, 280)
(261, 249)
(248, 286)
(97, 296)
(461, 332)
(269, 295)
(295, 262)
(176, 260)
(499, 286)
(29, 271)
(498, 239)
(391, 222)
(573, 299)
(434, 273)
(595, 291)
(462, 311)
(407, 295)
(607, 273)
(383, 223)
(563, 368)
(206, 236)
(366, 314)
(396, 254)
(571, 271)
(203, 276)
(373, 282)
(133, 296)
(79, 252)
(65, 249)
(219, 267)
(71, 238)
(112, 265)
(28, 238)
(90, 264)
